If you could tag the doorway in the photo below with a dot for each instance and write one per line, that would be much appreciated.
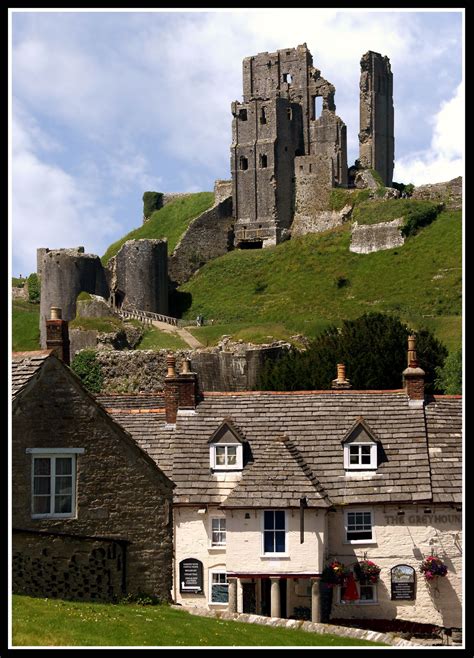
(266, 597)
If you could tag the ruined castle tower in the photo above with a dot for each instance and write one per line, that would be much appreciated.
(276, 135)
(376, 136)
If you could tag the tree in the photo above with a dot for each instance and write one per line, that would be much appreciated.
(88, 369)
(373, 347)
(34, 288)
(449, 377)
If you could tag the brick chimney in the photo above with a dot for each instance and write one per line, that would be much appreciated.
(414, 376)
(57, 335)
(341, 382)
(180, 389)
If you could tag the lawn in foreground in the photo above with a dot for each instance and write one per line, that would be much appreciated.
(53, 622)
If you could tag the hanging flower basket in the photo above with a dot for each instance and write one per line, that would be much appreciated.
(334, 573)
(433, 566)
(367, 572)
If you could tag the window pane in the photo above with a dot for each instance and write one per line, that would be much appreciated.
(279, 542)
(63, 485)
(42, 466)
(367, 593)
(41, 485)
(62, 504)
(220, 455)
(268, 542)
(363, 534)
(231, 456)
(220, 594)
(63, 466)
(41, 504)
(354, 459)
(280, 520)
(365, 450)
(268, 520)
(365, 459)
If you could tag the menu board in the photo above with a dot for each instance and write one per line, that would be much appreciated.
(403, 583)
(190, 575)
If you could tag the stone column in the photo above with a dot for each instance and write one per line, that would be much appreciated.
(315, 600)
(232, 606)
(275, 597)
(258, 596)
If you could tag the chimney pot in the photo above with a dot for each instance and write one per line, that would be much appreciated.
(414, 376)
(171, 365)
(412, 359)
(56, 313)
(341, 382)
(186, 367)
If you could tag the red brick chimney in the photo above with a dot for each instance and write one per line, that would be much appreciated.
(341, 382)
(414, 376)
(180, 389)
(57, 335)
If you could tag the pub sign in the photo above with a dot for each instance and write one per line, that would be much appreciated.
(403, 582)
(190, 576)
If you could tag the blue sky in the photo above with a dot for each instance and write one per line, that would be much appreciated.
(107, 105)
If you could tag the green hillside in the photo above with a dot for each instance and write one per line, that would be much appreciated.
(169, 222)
(25, 326)
(310, 280)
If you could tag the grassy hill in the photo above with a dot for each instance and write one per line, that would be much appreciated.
(25, 326)
(314, 279)
(169, 222)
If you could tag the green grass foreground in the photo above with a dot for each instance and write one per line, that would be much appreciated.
(52, 622)
(169, 222)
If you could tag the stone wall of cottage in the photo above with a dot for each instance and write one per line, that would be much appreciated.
(120, 493)
(406, 539)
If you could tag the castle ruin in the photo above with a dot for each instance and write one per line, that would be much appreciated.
(289, 147)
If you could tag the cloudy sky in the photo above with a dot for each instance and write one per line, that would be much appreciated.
(107, 105)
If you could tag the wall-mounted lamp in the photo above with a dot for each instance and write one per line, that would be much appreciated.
(247, 515)
(401, 512)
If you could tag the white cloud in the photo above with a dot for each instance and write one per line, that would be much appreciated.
(444, 159)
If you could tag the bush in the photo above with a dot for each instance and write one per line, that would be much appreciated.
(34, 288)
(151, 201)
(373, 348)
(449, 377)
(89, 370)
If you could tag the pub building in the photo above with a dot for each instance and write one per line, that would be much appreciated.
(272, 488)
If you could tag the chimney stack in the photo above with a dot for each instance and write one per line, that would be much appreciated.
(57, 335)
(414, 376)
(180, 389)
(341, 382)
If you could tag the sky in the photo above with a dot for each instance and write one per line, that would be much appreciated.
(106, 105)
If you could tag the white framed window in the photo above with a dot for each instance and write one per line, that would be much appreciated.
(226, 457)
(218, 531)
(53, 482)
(359, 527)
(218, 587)
(360, 456)
(274, 532)
(367, 595)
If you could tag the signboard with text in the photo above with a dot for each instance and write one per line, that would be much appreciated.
(190, 576)
(403, 582)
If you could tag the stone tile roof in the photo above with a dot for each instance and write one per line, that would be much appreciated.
(267, 484)
(444, 426)
(316, 423)
(131, 400)
(24, 366)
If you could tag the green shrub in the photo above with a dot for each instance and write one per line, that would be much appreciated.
(83, 297)
(449, 377)
(151, 201)
(89, 370)
(421, 215)
(34, 288)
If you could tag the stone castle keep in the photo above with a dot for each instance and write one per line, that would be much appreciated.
(288, 151)
(285, 157)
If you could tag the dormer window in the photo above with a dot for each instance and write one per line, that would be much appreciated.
(360, 448)
(226, 448)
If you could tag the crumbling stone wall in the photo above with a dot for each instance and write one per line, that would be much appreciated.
(222, 190)
(65, 567)
(120, 492)
(319, 220)
(448, 193)
(230, 367)
(376, 136)
(138, 276)
(208, 236)
(66, 273)
(367, 238)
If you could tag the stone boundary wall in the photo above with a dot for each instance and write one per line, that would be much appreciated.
(367, 238)
(208, 236)
(76, 568)
(320, 220)
(296, 624)
(449, 193)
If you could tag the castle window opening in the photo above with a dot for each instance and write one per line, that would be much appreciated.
(287, 77)
(263, 116)
(243, 163)
(317, 107)
(243, 115)
(263, 161)
(289, 113)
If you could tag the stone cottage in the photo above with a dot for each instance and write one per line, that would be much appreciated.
(91, 511)
(272, 487)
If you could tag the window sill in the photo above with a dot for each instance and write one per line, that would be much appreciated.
(359, 603)
(37, 517)
(348, 542)
(217, 548)
(275, 556)
(215, 603)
